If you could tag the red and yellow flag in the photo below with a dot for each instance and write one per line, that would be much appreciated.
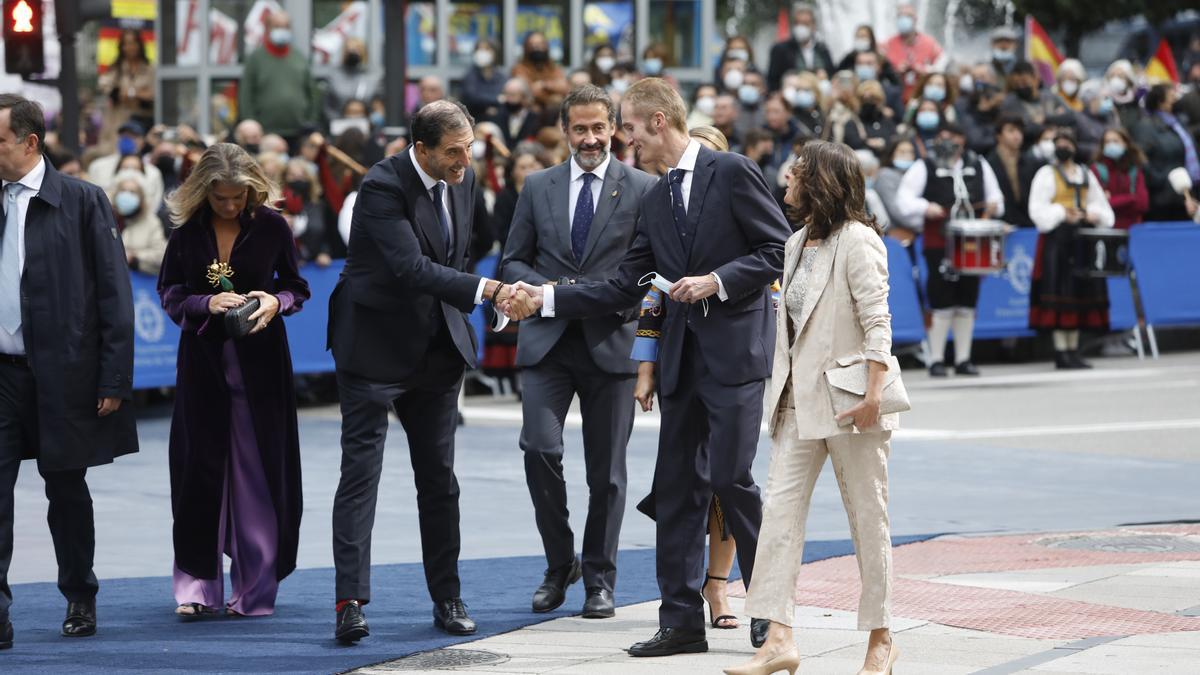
(1040, 51)
(1161, 68)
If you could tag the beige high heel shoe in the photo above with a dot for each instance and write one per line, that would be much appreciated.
(789, 661)
(893, 654)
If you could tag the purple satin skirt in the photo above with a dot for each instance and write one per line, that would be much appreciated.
(248, 532)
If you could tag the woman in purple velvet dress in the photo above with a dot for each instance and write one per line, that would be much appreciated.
(234, 449)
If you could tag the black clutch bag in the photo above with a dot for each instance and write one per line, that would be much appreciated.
(237, 320)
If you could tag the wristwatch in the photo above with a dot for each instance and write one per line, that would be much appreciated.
(566, 281)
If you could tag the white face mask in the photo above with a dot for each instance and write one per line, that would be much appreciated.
(1069, 87)
(620, 84)
(605, 63)
(705, 105)
(484, 58)
(734, 79)
(737, 55)
(1045, 149)
(281, 37)
(862, 44)
(802, 33)
(1117, 85)
(966, 83)
(825, 87)
(478, 149)
(748, 94)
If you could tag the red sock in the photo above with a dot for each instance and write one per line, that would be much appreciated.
(342, 603)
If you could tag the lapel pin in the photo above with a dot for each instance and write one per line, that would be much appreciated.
(614, 193)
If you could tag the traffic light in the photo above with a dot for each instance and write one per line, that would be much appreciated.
(23, 37)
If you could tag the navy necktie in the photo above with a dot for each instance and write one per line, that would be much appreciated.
(582, 223)
(678, 210)
(439, 206)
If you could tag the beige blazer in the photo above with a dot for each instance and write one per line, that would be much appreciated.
(845, 314)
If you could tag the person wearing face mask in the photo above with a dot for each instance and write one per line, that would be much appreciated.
(725, 119)
(1069, 79)
(516, 118)
(1119, 78)
(896, 158)
(1121, 167)
(1014, 168)
(865, 43)
(843, 124)
(1168, 145)
(1025, 98)
(911, 52)
(938, 89)
(877, 125)
(737, 48)
(141, 229)
(277, 87)
(925, 124)
(547, 80)
(804, 93)
(751, 95)
(654, 60)
(704, 103)
(978, 107)
(1004, 52)
(1066, 196)
(801, 51)
(130, 142)
(483, 85)
(925, 199)
(351, 81)
(304, 212)
(601, 65)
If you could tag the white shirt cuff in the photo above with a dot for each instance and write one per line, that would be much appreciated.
(479, 291)
(548, 301)
(720, 288)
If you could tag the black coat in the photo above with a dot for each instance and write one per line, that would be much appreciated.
(785, 56)
(739, 233)
(1016, 211)
(77, 323)
(398, 288)
(1164, 151)
(263, 259)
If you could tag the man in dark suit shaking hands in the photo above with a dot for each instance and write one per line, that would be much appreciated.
(711, 227)
(400, 339)
(573, 223)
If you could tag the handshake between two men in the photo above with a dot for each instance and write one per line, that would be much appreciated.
(522, 300)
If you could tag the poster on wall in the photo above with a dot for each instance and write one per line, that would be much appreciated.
(222, 36)
(327, 42)
(611, 24)
(471, 22)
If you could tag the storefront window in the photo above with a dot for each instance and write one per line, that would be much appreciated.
(611, 24)
(548, 17)
(471, 22)
(675, 24)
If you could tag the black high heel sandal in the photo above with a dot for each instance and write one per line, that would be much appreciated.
(716, 622)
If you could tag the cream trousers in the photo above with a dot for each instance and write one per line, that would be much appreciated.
(860, 464)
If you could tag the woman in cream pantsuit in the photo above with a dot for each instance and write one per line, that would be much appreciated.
(833, 312)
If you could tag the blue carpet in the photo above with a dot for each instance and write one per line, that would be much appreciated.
(140, 634)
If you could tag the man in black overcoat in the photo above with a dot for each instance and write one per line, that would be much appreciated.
(66, 352)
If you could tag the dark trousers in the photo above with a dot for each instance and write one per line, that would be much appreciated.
(427, 405)
(70, 516)
(707, 445)
(606, 402)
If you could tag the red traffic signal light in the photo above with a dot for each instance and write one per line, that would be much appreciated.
(23, 37)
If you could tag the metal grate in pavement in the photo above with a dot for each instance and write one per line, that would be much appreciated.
(1130, 543)
(441, 658)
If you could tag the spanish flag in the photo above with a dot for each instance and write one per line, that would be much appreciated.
(1161, 68)
(1040, 51)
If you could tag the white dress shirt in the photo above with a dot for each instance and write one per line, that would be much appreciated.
(11, 343)
(577, 185)
(429, 183)
(911, 202)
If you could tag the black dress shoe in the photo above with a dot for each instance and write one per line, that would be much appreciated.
(758, 631)
(1077, 361)
(6, 634)
(670, 641)
(451, 616)
(1062, 361)
(81, 619)
(966, 368)
(937, 370)
(351, 624)
(598, 605)
(553, 591)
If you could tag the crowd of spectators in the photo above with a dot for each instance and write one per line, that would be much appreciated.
(887, 99)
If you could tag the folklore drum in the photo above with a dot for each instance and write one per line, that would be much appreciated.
(1101, 252)
(975, 247)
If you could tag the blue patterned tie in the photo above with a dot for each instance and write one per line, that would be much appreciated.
(678, 209)
(439, 206)
(582, 223)
(10, 262)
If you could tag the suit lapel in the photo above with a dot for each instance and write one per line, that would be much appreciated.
(822, 267)
(423, 208)
(460, 214)
(701, 177)
(658, 215)
(610, 195)
(559, 195)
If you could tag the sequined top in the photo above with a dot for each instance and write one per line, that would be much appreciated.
(798, 286)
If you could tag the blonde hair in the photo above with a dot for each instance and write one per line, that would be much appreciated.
(221, 164)
(711, 137)
(808, 80)
(652, 95)
(310, 172)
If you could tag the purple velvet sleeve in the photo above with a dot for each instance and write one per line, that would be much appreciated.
(287, 303)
